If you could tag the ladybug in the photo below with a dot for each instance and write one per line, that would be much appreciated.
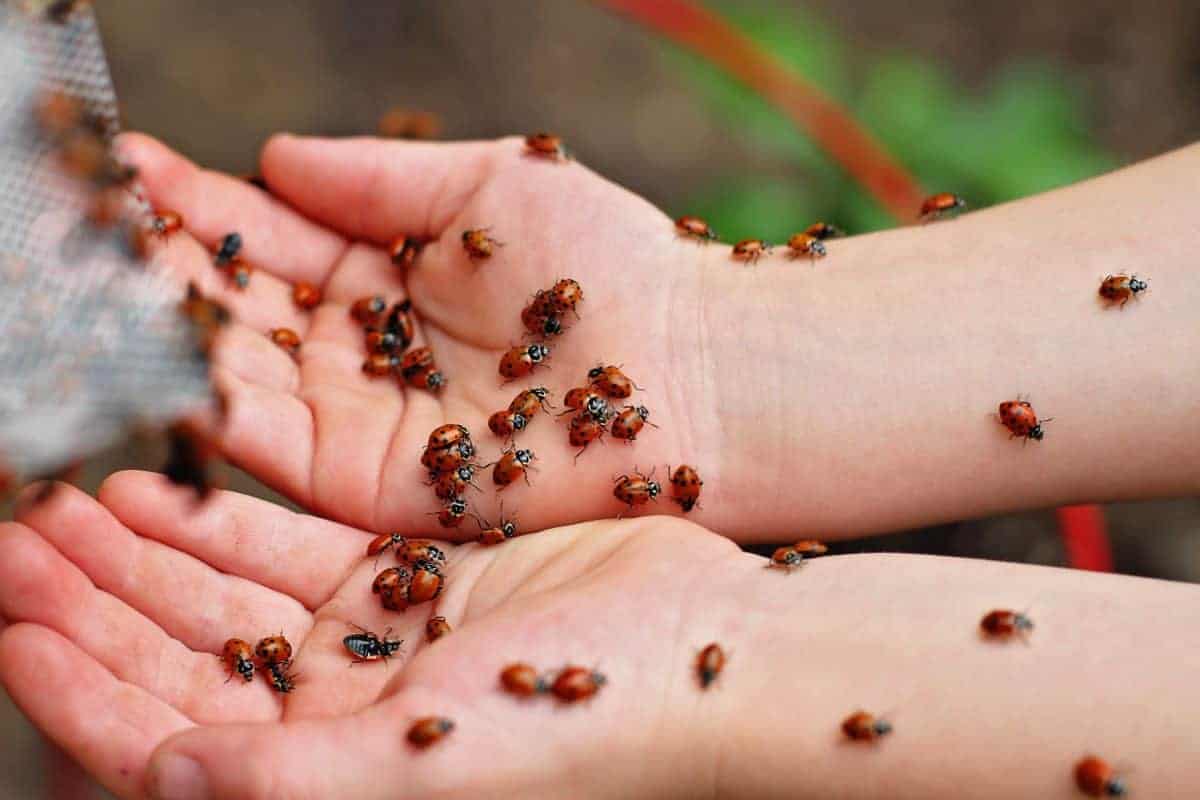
(415, 360)
(1018, 416)
(823, 230)
(403, 123)
(274, 650)
(379, 364)
(366, 646)
(564, 296)
(397, 332)
(382, 543)
(231, 245)
(428, 730)
(1122, 288)
(863, 727)
(629, 423)
(496, 534)
(695, 228)
(164, 223)
(1005, 623)
(368, 310)
(238, 656)
(805, 244)
(513, 464)
(786, 558)
(709, 664)
(751, 250)
(403, 250)
(685, 487)
(941, 205)
(522, 680)
(430, 379)
(281, 680)
(1096, 778)
(529, 401)
(306, 296)
(452, 514)
(390, 578)
(584, 430)
(612, 382)
(286, 338)
(538, 322)
(636, 490)
(520, 361)
(546, 145)
(436, 628)
(586, 399)
(427, 583)
(573, 684)
(447, 435)
(411, 551)
(478, 244)
(447, 458)
(505, 423)
(239, 273)
(810, 547)
(451, 484)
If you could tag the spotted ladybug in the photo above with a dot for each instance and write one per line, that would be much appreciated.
(238, 656)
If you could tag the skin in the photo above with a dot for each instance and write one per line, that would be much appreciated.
(113, 635)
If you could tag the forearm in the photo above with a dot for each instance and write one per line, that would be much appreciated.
(859, 394)
(1109, 669)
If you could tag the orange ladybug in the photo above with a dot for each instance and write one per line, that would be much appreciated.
(445, 459)
(436, 628)
(1121, 288)
(379, 364)
(573, 684)
(529, 401)
(452, 514)
(1018, 416)
(505, 423)
(685, 487)
(274, 650)
(238, 656)
(695, 228)
(823, 230)
(281, 679)
(628, 424)
(786, 558)
(522, 680)
(164, 223)
(709, 664)
(1096, 778)
(428, 730)
(368, 310)
(382, 543)
(286, 338)
(478, 244)
(584, 430)
(863, 727)
(587, 399)
(636, 489)
(411, 551)
(390, 578)
(750, 250)
(426, 584)
(403, 250)
(538, 320)
(513, 464)
(448, 485)
(1003, 623)
(941, 205)
(805, 244)
(564, 296)
(446, 435)
(496, 534)
(612, 382)
(429, 378)
(416, 360)
(306, 296)
(810, 547)
(546, 145)
(520, 361)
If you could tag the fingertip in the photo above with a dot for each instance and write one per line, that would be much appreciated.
(173, 776)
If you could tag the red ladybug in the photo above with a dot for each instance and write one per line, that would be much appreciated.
(505, 423)
(445, 459)
(390, 578)
(685, 487)
(428, 378)
(1003, 623)
(522, 680)
(368, 310)
(529, 401)
(478, 244)
(436, 628)
(1096, 778)
(823, 230)
(496, 534)
(1121, 288)
(411, 551)
(164, 223)
(750, 250)
(564, 296)
(1018, 416)
(452, 514)
(709, 664)
(513, 464)
(426, 584)
(628, 424)
(281, 679)
(286, 338)
(382, 543)
(546, 145)
(863, 727)
(786, 558)
(584, 430)
(380, 364)
(539, 320)
(695, 228)
(415, 360)
(403, 250)
(447, 435)
(520, 361)
(306, 296)
(428, 730)
(611, 382)
(238, 656)
(397, 331)
(573, 684)
(805, 244)
(586, 398)
(810, 547)
(941, 205)
(239, 272)
(274, 650)
(636, 489)
(448, 485)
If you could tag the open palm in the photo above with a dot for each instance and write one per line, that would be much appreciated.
(116, 609)
(347, 446)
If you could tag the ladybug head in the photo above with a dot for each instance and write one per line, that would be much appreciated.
(465, 472)
(1136, 285)
(466, 448)
(540, 392)
(524, 456)
(509, 529)
(457, 506)
(643, 412)
(435, 381)
(1036, 433)
(538, 352)
(595, 372)
(519, 422)
(818, 247)
(881, 727)
(653, 489)
(552, 326)
(597, 408)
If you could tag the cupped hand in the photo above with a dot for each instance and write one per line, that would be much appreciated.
(347, 446)
(118, 608)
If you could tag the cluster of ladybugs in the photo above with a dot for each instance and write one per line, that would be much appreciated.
(272, 655)
(387, 337)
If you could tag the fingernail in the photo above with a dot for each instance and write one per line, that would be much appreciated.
(179, 778)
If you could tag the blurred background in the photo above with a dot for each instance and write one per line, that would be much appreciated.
(993, 101)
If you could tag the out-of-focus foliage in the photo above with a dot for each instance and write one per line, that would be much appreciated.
(1024, 133)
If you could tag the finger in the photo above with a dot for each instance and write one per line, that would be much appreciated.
(150, 586)
(301, 556)
(111, 728)
(375, 189)
(213, 204)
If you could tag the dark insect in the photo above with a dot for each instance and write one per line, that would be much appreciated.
(187, 460)
(231, 245)
(366, 646)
